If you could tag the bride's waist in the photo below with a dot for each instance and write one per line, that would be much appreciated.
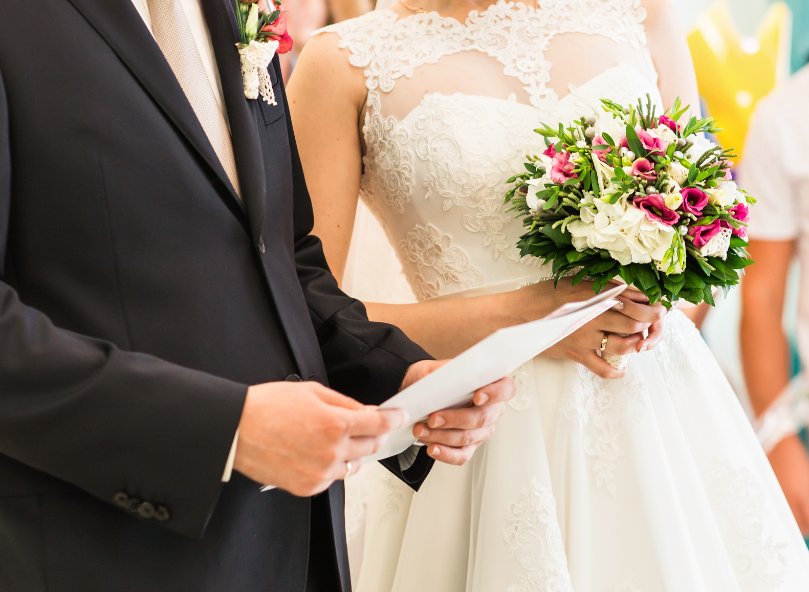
(496, 287)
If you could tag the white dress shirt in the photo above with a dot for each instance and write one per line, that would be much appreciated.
(202, 38)
(775, 170)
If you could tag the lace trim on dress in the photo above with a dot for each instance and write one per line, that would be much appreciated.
(388, 47)
(427, 249)
(534, 540)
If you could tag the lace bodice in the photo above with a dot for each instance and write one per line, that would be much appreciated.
(450, 114)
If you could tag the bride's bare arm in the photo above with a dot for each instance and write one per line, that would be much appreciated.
(326, 98)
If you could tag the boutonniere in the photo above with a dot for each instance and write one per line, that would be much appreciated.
(262, 33)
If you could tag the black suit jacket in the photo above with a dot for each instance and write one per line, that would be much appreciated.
(138, 299)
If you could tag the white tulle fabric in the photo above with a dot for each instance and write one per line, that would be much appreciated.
(652, 483)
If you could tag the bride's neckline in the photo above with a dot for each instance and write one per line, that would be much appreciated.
(471, 17)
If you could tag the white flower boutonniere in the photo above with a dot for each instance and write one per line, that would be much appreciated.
(262, 33)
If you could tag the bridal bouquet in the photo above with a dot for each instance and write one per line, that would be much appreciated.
(634, 196)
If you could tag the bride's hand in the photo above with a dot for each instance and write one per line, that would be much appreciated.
(624, 329)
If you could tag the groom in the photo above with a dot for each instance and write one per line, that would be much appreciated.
(166, 317)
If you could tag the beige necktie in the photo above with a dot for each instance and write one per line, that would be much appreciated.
(173, 34)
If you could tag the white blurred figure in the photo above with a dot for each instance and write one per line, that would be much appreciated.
(775, 170)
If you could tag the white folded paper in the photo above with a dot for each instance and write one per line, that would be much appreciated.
(500, 354)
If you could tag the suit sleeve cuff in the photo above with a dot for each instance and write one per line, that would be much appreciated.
(231, 459)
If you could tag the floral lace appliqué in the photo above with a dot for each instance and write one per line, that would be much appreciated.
(534, 540)
(436, 262)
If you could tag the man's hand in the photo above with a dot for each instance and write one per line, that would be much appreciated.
(302, 436)
(791, 465)
(453, 435)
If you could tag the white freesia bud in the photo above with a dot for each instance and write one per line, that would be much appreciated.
(678, 172)
(678, 155)
(673, 200)
(725, 194)
(683, 230)
(590, 133)
(630, 155)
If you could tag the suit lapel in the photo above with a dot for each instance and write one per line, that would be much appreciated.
(119, 23)
(243, 114)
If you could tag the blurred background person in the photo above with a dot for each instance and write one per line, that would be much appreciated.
(776, 170)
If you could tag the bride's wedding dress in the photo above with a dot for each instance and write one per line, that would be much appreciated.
(651, 483)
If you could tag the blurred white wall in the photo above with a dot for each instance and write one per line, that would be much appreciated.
(746, 13)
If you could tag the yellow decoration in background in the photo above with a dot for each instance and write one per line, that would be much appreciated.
(734, 72)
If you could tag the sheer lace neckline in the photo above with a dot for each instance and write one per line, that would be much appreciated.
(471, 18)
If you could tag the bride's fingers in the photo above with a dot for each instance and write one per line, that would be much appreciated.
(644, 313)
(618, 322)
(618, 345)
(452, 456)
(599, 367)
(654, 337)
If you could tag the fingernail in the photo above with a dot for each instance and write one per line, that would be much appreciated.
(437, 422)
(619, 305)
(482, 398)
(422, 431)
(435, 451)
(400, 420)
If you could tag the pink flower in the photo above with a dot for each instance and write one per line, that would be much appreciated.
(562, 169)
(550, 151)
(703, 234)
(669, 123)
(656, 209)
(654, 146)
(694, 200)
(284, 43)
(601, 154)
(644, 169)
(277, 28)
(741, 213)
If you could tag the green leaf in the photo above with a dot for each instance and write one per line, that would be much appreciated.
(634, 141)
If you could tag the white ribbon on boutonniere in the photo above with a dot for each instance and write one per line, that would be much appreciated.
(256, 58)
(262, 33)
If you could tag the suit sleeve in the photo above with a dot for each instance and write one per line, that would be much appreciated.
(365, 360)
(128, 428)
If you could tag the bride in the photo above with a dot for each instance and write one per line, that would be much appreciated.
(648, 479)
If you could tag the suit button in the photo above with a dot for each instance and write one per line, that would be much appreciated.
(262, 248)
(120, 499)
(293, 378)
(162, 514)
(146, 510)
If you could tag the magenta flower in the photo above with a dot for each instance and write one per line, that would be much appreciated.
(740, 212)
(656, 209)
(601, 154)
(669, 123)
(550, 151)
(644, 169)
(654, 146)
(562, 169)
(694, 200)
(703, 234)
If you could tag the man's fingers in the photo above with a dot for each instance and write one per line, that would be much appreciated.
(362, 446)
(372, 421)
(334, 398)
(468, 418)
(453, 438)
(497, 392)
(449, 455)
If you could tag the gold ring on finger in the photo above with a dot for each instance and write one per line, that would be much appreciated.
(603, 346)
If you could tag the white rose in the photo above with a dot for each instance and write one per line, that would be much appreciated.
(664, 133)
(700, 145)
(678, 172)
(725, 194)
